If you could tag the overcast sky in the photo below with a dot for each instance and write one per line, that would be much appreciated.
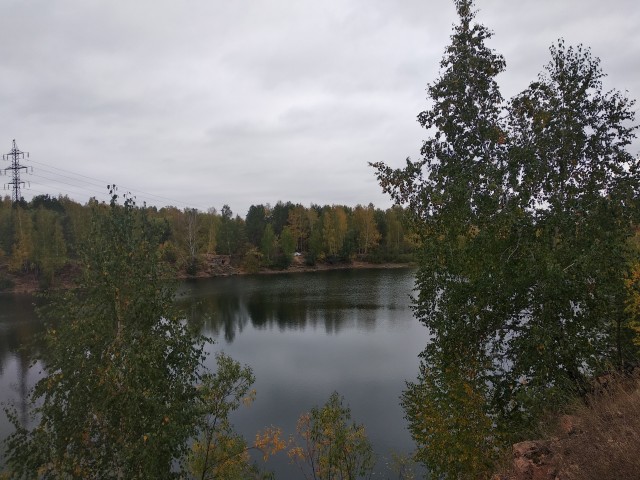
(207, 102)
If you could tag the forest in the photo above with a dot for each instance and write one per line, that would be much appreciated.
(42, 237)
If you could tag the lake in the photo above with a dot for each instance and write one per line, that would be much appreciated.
(305, 335)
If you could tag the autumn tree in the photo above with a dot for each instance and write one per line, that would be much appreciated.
(454, 194)
(576, 186)
(524, 211)
(76, 224)
(395, 239)
(6, 225)
(50, 250)
(450, 419)
(329, 445)
(119, 396)
(315, 241)
(22, 249)
(268, 243)
(219, 452)
(300, 225)
(334, 229)
(368, 235)
(211, 221)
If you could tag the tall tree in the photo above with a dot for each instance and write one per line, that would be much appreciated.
(255, 222)
(455, 195)
(226, 233)
(22, 250)
(6, 225)
(279, 216)
(191, 235)
(334, 229)
(299, 224)
(119, 397)
(287, 247)
(524, 212)
(577, 184)
(50, 251)
(212, 222)
(368, 235)
(268, 243)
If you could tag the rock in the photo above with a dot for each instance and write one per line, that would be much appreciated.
(533, 461)
(530, 449)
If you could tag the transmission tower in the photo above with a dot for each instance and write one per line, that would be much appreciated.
(15, 156)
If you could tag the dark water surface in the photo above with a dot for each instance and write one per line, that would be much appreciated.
(304, 335)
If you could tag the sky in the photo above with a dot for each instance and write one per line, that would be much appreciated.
(201, 103)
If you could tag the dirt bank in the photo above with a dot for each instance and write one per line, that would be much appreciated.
(215, 266)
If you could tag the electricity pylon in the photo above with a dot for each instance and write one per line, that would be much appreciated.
(15, 156)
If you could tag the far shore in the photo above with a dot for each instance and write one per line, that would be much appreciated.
(29, 284)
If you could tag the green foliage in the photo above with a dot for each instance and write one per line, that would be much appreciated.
(21, 259)
(280, 215)
(268, 244)
(252, 260)
(450, 421)
(367, 233)
(403, 466)
(286, 249)
(230, 234)
(118, 399)
(6, 225)
(334, 229)
(632, 287)
(524, 211)
(47, 234)
(256, 222)
(219, 452)
(329, 446)
(50, 250)
(454, 194)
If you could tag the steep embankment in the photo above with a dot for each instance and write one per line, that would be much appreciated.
(599, 440)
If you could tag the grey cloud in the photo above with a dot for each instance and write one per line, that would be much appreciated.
(211, 102)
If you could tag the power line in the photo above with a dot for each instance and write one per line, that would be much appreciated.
(103, 183)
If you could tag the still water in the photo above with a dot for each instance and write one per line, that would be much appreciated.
(304, 335)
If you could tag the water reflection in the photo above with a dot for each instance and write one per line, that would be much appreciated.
(19, 329)
(304, 335)
(330, 301)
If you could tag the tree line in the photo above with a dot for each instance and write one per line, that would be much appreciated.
(44, 236)
(527, 211)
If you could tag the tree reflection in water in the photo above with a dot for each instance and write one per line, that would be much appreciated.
(329, 300)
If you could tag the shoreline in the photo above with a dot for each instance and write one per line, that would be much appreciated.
(296, 267)
(28, 284)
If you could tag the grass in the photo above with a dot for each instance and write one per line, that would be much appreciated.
(600, 438)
